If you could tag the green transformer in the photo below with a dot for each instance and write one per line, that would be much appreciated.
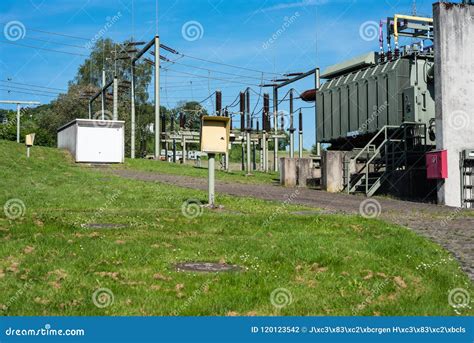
(363, 95)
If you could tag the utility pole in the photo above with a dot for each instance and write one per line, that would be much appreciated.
(249, 128)
(266, 128)
(275, 123)
(292, 129)
(242, 127)
(103, 95)
(157, 98)
(115, 109)
(132, 114)
(18, 112)
(300, 143)
(174, 140)
(317, 85)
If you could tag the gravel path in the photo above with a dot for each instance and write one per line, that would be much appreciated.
(451, 228)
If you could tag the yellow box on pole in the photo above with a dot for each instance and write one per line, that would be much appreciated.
(215, 134)
(30, 139)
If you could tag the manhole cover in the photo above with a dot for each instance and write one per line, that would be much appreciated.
(104, 226)
(207, 267)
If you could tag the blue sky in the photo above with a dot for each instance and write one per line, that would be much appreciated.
(246, 33)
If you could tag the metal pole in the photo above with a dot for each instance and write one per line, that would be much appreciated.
(248, 142)
(157, 98)
(211, 169)
(275, 123)
(163, 130)
(90, 109)
(227, 166)
(292, 129)
(28, 152)
(132, 116)
(242, 127)
(184, 149)
(219, 103)
(18, 123)
(317, 85)
(300, 143)
(174, 140)
(115, 109)
(103, 94)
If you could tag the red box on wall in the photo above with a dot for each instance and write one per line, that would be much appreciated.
(437, 164)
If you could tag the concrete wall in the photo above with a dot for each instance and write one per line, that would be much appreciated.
(454, 89)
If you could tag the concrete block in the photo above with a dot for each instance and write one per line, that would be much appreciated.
(304, 171)
(332, 171)
(288, 172)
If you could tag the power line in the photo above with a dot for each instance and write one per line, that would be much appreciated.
(14, 91)
(55, 42)
(217, 71)
(209, 77)
(29, 89)
(58, 34)
(30, 85)
(228, 65)
(45, 49)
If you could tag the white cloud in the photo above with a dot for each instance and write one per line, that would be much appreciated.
(297, 4)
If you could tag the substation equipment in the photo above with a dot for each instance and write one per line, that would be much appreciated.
(378, 115)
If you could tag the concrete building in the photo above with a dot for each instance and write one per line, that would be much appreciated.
(454, 89)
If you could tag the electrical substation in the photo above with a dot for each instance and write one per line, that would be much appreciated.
(384, 120)
(397, 120)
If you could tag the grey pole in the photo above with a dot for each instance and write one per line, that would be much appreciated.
(317, 85)
(18, 123)
(211, 169)
(90, 109)
(132, 116)
(115, 110)
(184, 150)
(103, 94)
(300, 143)
(248, 142)
(292, 129)
(157, 99)
(275, 123)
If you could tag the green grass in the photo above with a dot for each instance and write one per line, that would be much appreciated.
(188, 170)
(331, 265)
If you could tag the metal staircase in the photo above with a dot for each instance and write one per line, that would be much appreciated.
(391, 149)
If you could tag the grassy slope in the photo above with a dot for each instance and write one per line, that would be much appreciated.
(171, 168)
(50, 265)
